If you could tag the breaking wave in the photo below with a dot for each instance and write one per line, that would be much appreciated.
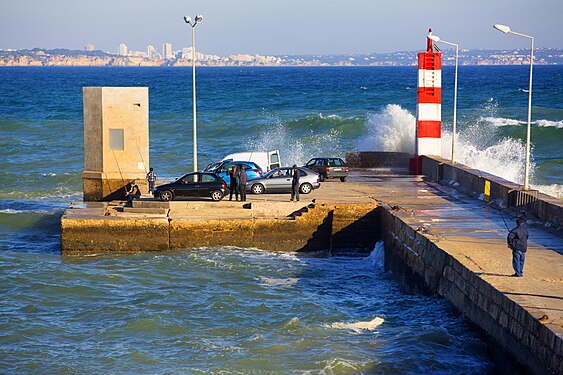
(392, 129)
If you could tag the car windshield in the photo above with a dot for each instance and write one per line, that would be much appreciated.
(212, 166)
(335, 163)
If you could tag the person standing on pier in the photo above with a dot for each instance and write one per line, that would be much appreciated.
(234, 181)
(151, 179)
(243, 180)
(295, 184)
(518, 242)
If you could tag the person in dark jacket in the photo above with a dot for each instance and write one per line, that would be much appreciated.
(295, 184)
(234, 181)
(133, 192)
(243, 180)
(518, 242)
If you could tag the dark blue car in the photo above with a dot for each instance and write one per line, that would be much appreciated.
(222, 169)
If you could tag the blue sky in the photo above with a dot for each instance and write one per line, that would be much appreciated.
(278, 27)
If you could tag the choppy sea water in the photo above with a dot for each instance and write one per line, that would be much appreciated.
(234, 309)
(229, 310)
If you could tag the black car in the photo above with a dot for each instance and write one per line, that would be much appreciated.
(329, 168)
(196, 184)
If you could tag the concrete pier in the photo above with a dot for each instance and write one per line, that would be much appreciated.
(438, 239)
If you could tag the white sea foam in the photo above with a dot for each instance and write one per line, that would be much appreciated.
(293, 148)
(10, 211)
(554, 190)
(501, 121)
(550, 124)
(504, 159)
(337, 366)
(376, 257)
(392, 129)
(268, 281)
(358, 327)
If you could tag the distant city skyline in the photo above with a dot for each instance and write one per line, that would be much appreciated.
(277, 28)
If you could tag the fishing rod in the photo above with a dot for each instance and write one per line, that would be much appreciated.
(141, 155)
(119, 169)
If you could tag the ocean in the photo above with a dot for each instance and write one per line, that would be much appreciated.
(240, 310)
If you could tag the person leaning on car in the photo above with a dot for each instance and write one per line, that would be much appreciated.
(243, 180)
(295, 184)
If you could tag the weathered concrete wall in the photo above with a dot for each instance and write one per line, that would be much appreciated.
(87, 235)
(378, 159)
(421, 265)
(308, 229)
(472, 181)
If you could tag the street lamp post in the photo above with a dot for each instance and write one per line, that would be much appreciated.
(193, 23)
(505, 29)
(437, 39)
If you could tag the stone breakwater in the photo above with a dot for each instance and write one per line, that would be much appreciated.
(102, 227)
(438, 239)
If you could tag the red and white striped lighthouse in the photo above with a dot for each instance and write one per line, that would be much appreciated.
(428, 105)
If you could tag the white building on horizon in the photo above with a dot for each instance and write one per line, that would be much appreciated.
(167, 51)
(151, 52)
(89, 47)
(123, 49)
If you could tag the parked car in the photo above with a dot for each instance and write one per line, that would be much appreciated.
(329, 168)
(222, 169)
(267, 160)
(195, 184)
(278, 180)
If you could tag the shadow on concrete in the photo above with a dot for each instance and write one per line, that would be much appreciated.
(359, 237)
(492, 274)
(321, 239)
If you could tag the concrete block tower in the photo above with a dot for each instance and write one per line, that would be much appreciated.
(116, 141)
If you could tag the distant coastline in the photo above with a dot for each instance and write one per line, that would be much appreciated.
(65, 57)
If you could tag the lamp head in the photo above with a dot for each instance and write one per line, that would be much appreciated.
(188, 20)
(198, 18)
(505, 29)
(435, 38)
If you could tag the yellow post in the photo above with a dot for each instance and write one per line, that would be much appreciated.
(487, 192)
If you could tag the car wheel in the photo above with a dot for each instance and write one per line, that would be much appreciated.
(306, 188)
(258, 189)
(343, 179)
(322, 177)
(216, 195)
(166, 195)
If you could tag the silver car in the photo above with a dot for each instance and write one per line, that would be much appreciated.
(278, 180)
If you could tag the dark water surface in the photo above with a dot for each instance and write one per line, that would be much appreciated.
(237, 310)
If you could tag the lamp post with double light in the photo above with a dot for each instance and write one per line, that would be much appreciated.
(506, 29)
(193, 24)
(436, 38)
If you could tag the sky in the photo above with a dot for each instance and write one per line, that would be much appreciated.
(278, 27)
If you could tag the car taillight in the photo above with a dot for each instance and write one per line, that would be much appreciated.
(224, 186)
(257, 171)
(346, 168)
(318, 179)
(327, 169)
